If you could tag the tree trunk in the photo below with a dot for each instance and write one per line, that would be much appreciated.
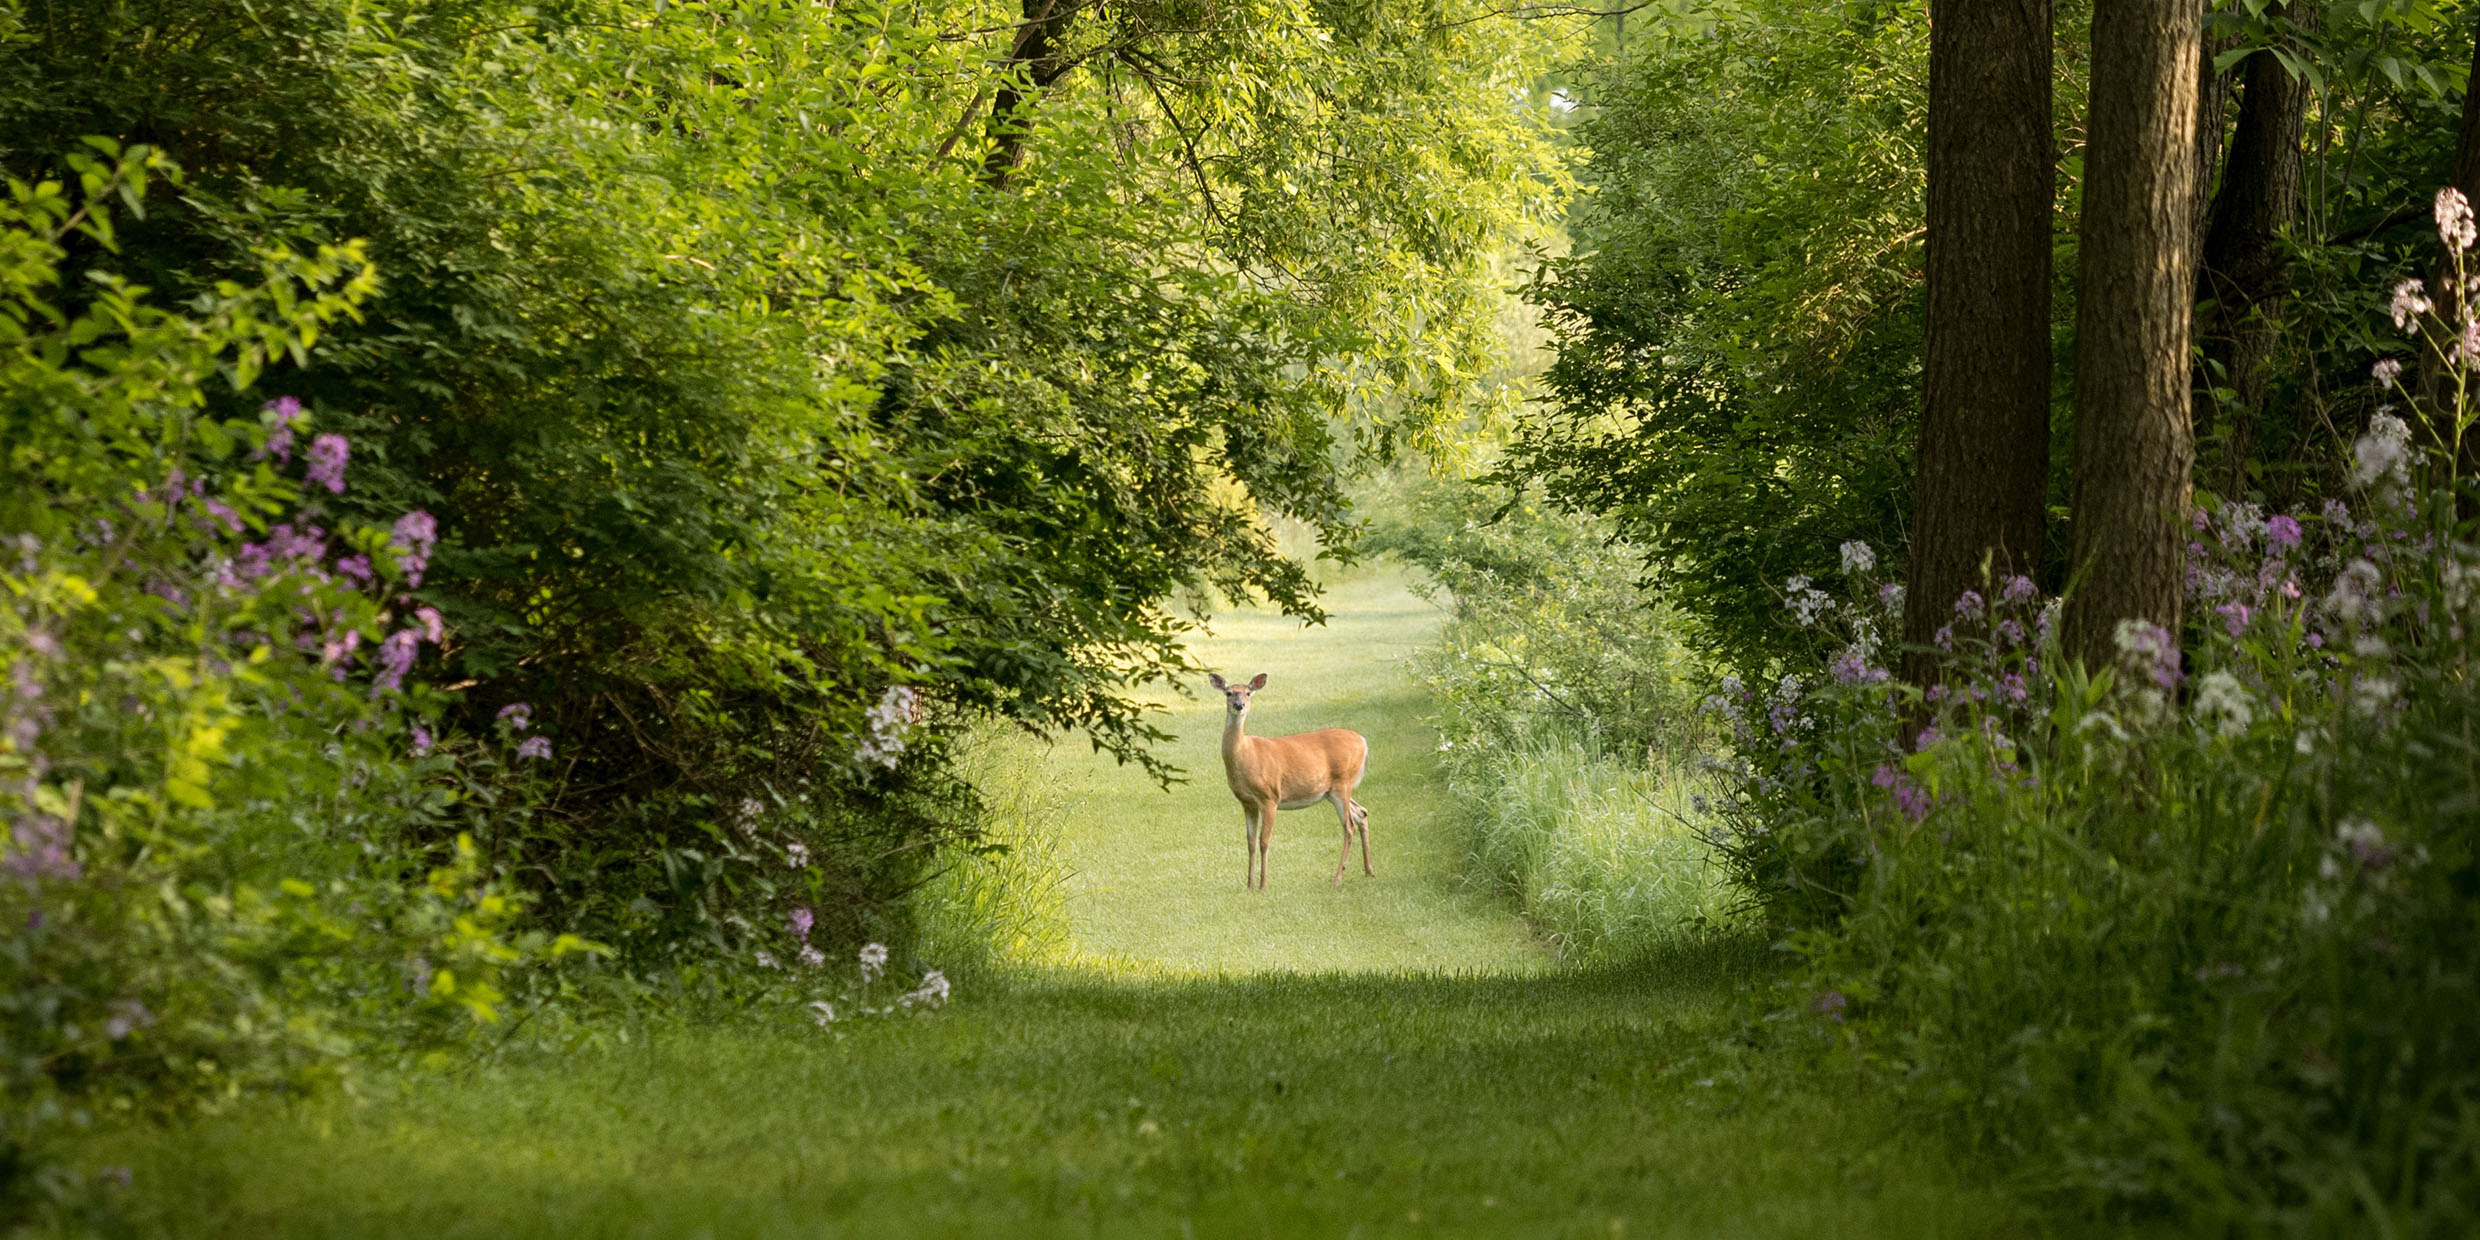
(1035, 53)
(2133, 449)
(1981, 490)
(2245, 275)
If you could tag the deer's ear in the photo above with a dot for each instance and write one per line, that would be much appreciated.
(1258, 683)
(1216, 679)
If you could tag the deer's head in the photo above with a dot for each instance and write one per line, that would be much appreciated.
(1237, 695)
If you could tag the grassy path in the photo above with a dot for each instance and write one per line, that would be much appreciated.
(1157, 881)
(1394, 1059)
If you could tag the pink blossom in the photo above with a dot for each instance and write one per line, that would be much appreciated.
(432, 630)
(2410, 302)
(802, 920)
(2281, 533)
(2454, 223)
(517, 715)
(421, 740)
(535, 747)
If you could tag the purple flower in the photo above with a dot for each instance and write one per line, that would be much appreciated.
(356, 567)
(2011, 632)
(1945, 638)
(1830, 1004)
(421, 740)
(431, 628)
(1890, 596)
(415, 534)
(327, 458)
(223, 514)
(42, 852)
(517, 715)
(2281, 532)
(801, 922)
(535, 747)
(2020, 590)
(396, 656)
(1969, 606)
(287, 411)
(2235, 616)
(418, 975)
(1907, 795)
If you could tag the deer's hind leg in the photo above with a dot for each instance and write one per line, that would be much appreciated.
(1360, 824)
(1344, 813)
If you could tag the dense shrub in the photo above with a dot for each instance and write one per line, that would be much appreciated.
(2189, 932)
(754, 404)
(1566, 708)
(215, 769)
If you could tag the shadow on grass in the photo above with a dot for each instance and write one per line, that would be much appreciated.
(1618, 1100)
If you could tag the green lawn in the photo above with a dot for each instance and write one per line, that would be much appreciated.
(1397, 1058)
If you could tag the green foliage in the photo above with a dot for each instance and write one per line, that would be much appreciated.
(1738, 326)
(2202, 947)
(208, 874)
(1566, 708)
(747, 394)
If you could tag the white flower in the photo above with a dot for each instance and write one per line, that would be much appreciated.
(1805, 600)
(766, 961)
(2382, 453)
(811, 958)
(2352, 600)
(873, 959)
(2374, 693)
(932, 992)
(2223, 701)
(796, 854)
(822, 1011)
(2454, 225)
(2385, 371)
(1858, 557)
(898, 709)
(2410, 302)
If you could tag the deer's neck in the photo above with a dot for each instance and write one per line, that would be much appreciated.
(1235, 730)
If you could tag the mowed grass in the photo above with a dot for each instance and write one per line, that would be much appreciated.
(1604, 1103)
(1398, 1058)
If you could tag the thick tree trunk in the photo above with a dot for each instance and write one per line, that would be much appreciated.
(1981, 487)
(2133, 449)
(2245, 274)
(1036, 54)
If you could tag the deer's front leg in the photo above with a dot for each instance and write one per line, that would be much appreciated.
(1265, 835)
(1248, 849)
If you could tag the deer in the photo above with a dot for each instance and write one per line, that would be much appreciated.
(1270, 773)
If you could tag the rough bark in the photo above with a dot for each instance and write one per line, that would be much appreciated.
(1980, 489)
(1035, 54)
(2245, 272)
(2136, 275)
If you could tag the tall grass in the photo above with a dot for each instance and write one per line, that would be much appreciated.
(1002, 902)
(1598, 850)
(1567, 710)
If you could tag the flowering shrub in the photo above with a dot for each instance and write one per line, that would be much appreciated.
(2193, 929)
(208, 726)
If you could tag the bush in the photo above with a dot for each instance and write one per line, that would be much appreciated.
(214, 765)
(1567, 714)
(2193, 934)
